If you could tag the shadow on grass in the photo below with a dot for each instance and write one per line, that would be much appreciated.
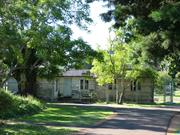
(68, 116)
(23, 129)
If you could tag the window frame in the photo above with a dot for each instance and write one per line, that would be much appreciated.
(81, 84)
(86, 84)
(110, 87)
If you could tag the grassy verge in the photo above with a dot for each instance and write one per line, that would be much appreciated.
(23, 129)
(55, 119)
(177, 93)
(69, 115)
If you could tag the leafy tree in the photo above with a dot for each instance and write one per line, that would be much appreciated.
(158, 22)
(3, 73)
(177, 80)
(113, 67)
(162, 80)
(35, 38)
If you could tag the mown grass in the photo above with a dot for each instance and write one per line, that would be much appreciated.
(69, 115)
(54, 117)
(55, 120)
(177, 93)
(159, 99)
(24, 129)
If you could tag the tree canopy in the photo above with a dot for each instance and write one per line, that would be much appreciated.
(158, 24)
(35, 38)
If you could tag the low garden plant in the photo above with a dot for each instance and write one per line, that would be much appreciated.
(14, 105)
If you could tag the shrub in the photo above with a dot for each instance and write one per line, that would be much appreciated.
(162, 80)
(14, 105)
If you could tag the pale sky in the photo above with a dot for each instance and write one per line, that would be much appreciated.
(99, 29)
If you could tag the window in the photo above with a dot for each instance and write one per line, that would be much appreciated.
(86, 84)
(57, 85)
(133, 85)
(81, 84)
(115, 84)
(110, 86)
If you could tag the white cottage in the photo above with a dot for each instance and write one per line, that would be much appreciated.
(81, 85)
(75, 84)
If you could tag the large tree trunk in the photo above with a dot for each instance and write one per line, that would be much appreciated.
(26, 77)
(30, 72)
(30, 83)
(26, 82)
(121, 97)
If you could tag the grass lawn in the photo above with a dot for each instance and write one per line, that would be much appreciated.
(23, 129)
(69, 115)
(177, 93)
(59, 116)
(176, 98)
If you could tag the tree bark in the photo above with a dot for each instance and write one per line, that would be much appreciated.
(121, 95)
(117, 95)
(30, 83)
(27, 76)
(30, 72)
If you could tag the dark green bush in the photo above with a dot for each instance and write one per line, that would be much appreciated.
(13, 105)
(162, 80)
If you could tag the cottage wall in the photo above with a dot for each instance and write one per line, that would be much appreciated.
(50, 90)
(144, 95)
(76, 87)
(60, 86)
(12, 85)
(77, 93)
(148, 91)
(46, 89)
(102, 92)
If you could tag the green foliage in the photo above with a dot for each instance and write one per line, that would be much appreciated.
(36, 38)
(13, 105)
(3, 72)
(177, 79)
(162, 80)
(112, 66)
(141, 71)
(157, 24)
